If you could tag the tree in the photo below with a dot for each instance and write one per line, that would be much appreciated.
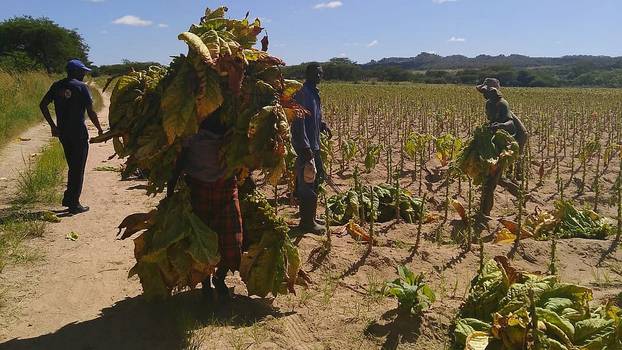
(43, 41)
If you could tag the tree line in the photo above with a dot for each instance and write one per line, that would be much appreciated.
(28, 43)
(582, 73)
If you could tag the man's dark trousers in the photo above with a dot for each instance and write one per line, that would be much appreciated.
(76, 149)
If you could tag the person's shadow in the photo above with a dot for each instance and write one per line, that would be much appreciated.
(134, 323)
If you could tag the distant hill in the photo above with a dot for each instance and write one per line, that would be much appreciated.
(426, 61)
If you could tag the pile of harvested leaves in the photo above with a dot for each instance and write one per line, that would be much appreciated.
(349, 205)
(508, 309)
(568, 222)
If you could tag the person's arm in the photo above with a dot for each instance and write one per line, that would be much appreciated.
(43, 106)
(88, 100)
(177, 171)
(482, 89)
(299, 132)
(503, 113)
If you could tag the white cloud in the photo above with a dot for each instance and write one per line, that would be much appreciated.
(328, 5)
(134, 21)
(343, 55)
(373, 43)
(442, 1)
(454, 39)
(162, 25)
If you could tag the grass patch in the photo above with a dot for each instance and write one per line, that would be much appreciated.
(12, 235)
(39, 182)
(20, 95)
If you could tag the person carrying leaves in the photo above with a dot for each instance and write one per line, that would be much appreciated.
(72, 99)
(306, 142)
(214, 197)
(500, 117)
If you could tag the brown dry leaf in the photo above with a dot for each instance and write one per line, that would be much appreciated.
(513, 228)
(460, 209)
(357, 232)
(510, 274)
(431, 217)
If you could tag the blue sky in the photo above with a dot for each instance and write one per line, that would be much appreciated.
(305, 30)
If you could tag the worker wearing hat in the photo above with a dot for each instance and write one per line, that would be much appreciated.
(72, 99)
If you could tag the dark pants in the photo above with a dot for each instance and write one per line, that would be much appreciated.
(76, 151)
(308, 191)
(488, 192)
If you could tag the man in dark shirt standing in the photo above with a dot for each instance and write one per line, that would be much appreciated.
(306, 143)
(72, 99)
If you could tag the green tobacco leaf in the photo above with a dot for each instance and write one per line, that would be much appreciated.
(178, 108)
(593, 333)
(467, 326)
(203, 242)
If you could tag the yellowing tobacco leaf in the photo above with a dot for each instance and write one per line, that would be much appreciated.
(504, 236)
(477, 341)
(198, 46)
(178, 105)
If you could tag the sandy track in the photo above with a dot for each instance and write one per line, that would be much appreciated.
(66, 301)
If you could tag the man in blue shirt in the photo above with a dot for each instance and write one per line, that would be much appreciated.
(72, 99)
(306, 142)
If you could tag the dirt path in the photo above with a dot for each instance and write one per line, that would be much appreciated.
(58, 303)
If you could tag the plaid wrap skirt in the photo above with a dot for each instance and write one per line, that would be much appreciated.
(217, 205)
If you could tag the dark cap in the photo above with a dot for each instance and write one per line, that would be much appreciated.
(74, 65)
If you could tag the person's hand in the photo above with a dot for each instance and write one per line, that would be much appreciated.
(307, 155)
(310, 172)
(55, 131)
(494, 126)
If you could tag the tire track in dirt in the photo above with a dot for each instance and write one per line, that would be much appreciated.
(297, 336)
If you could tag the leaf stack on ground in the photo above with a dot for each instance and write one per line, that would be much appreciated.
(345, 206)
(504, 305)
(153, 111)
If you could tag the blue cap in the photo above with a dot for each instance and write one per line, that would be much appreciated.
(77, 65)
